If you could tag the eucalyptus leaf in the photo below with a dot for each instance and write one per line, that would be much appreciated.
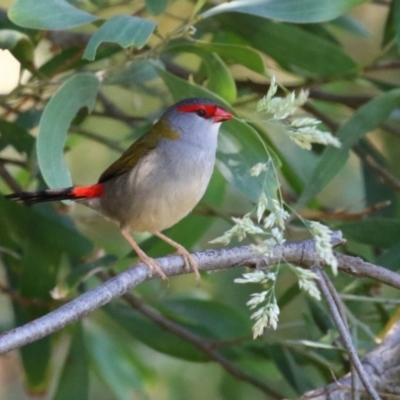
(230, 53)
(305, 11)
(43, 228)
(114, 363)
(48, 14)
(12, 134)
(156, 7)
(124, 30)
(364, 120)
(220, 79)
(20, 46)
(366, 231)
(77, 92)
(306, 54)
(74, 379)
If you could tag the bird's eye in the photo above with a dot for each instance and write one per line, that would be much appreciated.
(201, 113)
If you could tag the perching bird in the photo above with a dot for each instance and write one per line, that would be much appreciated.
(158, 180)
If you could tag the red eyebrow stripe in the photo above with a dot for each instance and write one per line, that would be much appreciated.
(208, 108)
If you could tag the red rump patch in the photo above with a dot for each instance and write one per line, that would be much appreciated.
(88, 192)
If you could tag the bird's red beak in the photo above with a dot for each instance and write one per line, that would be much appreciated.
(221, 115)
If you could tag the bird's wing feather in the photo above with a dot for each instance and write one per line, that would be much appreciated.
(143, 146)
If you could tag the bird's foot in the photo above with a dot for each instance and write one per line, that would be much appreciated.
(153, 265)
(150, 262)
(190, 262)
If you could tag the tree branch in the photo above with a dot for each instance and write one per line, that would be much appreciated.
(299, 253)
(381, 365)
(334, 303)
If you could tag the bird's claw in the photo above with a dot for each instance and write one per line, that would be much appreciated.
(154, 266)
(190, 262)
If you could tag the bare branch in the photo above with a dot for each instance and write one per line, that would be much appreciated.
(381, 365)
(334, 305)
(300, 253)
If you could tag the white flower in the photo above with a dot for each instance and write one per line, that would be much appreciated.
(256, 299)
(277, 235)
(277, 216)
(307, 280)
(261, 206)
(265, 317)
(304, 132)
(242, 227)
(265, 247)
(263, 103)
(256, 276)
(322, 236)
(281, 107)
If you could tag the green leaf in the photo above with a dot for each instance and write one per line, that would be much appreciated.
(305, 53)
(223, 321)
(132, 73)
(220, 80)
(156, 7)
(391, 258)
(52, 231)
(124, 30)
(396, 18)
(114, 362)
(37, 274)
(152, 335)
(352, 25)
(236, 54)
(74, 379)
(14, 135)
(35, 359)
(239, 149)
(305, 11)
(230, 53)
(48, 14)
(20, 46)
(82, 272)
(381, 232)
(292, 372)
(366, 119)
(77, 92)
(181, 89)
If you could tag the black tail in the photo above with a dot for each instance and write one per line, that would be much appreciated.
(71, 193)
(44, 195)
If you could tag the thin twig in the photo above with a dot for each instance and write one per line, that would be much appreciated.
(111, 110)
(344, 334)
(112, 144)
(381, 171)
(13, 161)
(8, 179)
(355, 395)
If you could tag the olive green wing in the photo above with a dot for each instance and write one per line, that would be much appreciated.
(130, 157)
(144, 145)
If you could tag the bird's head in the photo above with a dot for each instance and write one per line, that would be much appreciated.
(196, 118)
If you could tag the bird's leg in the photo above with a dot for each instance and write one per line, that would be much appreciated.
(187, 257)
(150, 262)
